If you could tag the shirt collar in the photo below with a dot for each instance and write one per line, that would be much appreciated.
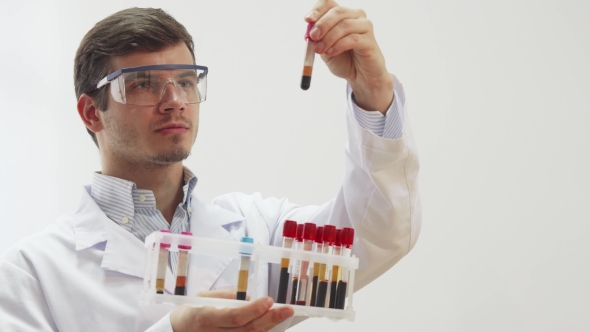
(119, 198)
(190, 181)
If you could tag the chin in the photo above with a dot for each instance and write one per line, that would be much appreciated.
(172, 156)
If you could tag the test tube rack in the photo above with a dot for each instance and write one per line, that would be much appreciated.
(260, 254)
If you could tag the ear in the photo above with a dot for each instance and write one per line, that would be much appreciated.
(89, 113)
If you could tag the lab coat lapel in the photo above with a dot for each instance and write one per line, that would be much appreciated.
(123, 252)
(210, 221)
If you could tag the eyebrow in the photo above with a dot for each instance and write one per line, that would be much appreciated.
(187, 73)
(140, 75)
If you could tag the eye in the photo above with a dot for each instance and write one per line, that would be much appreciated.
(186, 84)
(141, 85)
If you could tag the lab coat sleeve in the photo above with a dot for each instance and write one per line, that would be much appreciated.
(22, 303)
(379, 198)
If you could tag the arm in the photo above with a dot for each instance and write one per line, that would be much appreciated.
(379, 196)
(22, 303)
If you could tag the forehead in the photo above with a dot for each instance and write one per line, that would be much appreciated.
(178, 54)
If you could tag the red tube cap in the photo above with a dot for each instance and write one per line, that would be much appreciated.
(319, 235)
(347, 236)
(184, 246)
(309, 26)
(329, 234)
(300, 233)
(164, 244)
(290, 229)
(309, 231)
(338, 241)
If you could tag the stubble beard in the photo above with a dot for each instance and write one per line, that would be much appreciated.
(124, 146)
(174, 155)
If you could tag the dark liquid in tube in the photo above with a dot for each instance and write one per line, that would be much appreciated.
(294, 290)
(283, 285)
(341, 295)
(333, 294)
(314, 288)
(322, 291)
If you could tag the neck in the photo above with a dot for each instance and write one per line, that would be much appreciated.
(165, 181)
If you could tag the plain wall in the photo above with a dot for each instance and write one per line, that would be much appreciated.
(497, 94)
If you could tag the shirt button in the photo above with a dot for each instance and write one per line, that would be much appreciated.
(142, 198)
(190, 210)
(125, 220)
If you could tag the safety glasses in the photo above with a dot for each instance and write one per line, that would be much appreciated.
(146, 85)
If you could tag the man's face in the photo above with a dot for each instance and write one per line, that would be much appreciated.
(151, 135)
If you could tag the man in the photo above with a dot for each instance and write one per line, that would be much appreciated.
(139, 93)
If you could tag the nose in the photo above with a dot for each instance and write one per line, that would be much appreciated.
(171, 99)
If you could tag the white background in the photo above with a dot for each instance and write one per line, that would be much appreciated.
(498, 95)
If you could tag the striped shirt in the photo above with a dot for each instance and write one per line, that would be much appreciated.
(135, 209)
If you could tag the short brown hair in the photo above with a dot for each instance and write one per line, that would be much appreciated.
(128, 31)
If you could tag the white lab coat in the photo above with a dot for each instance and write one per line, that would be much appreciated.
(84, 272)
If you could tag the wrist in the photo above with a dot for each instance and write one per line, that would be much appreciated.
(376, 95)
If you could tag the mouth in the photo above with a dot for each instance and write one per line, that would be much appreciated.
(173, 129)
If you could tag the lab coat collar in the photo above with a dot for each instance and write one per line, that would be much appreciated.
(90, 223)
(123, 252)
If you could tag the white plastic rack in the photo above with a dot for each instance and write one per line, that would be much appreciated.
(260, 253)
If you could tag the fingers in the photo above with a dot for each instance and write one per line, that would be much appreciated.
(332, 18)
(345, 35)
(270, 319)
(229, 294)
(235, 317)
(320, 9)
(255, 316)
(338, 29)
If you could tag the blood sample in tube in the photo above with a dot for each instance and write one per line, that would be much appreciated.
(335, 270)
(308, 62)
(329, 237)
(289, 234)
(316, 266)
(162, 264)
(296, 264)
(309, 232)
(182, 267)
(347, 238)
(244, 268)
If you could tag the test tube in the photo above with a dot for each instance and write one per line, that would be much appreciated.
(245, 254)
(296, 264)
(335, 270)
(329, 237)
(316, 266)
(162, 264)
(182, 269)
(289, 234)
(347, 238)
(309, 231)
(309, 57)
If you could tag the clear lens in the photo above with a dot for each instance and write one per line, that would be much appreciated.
(147, 88)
